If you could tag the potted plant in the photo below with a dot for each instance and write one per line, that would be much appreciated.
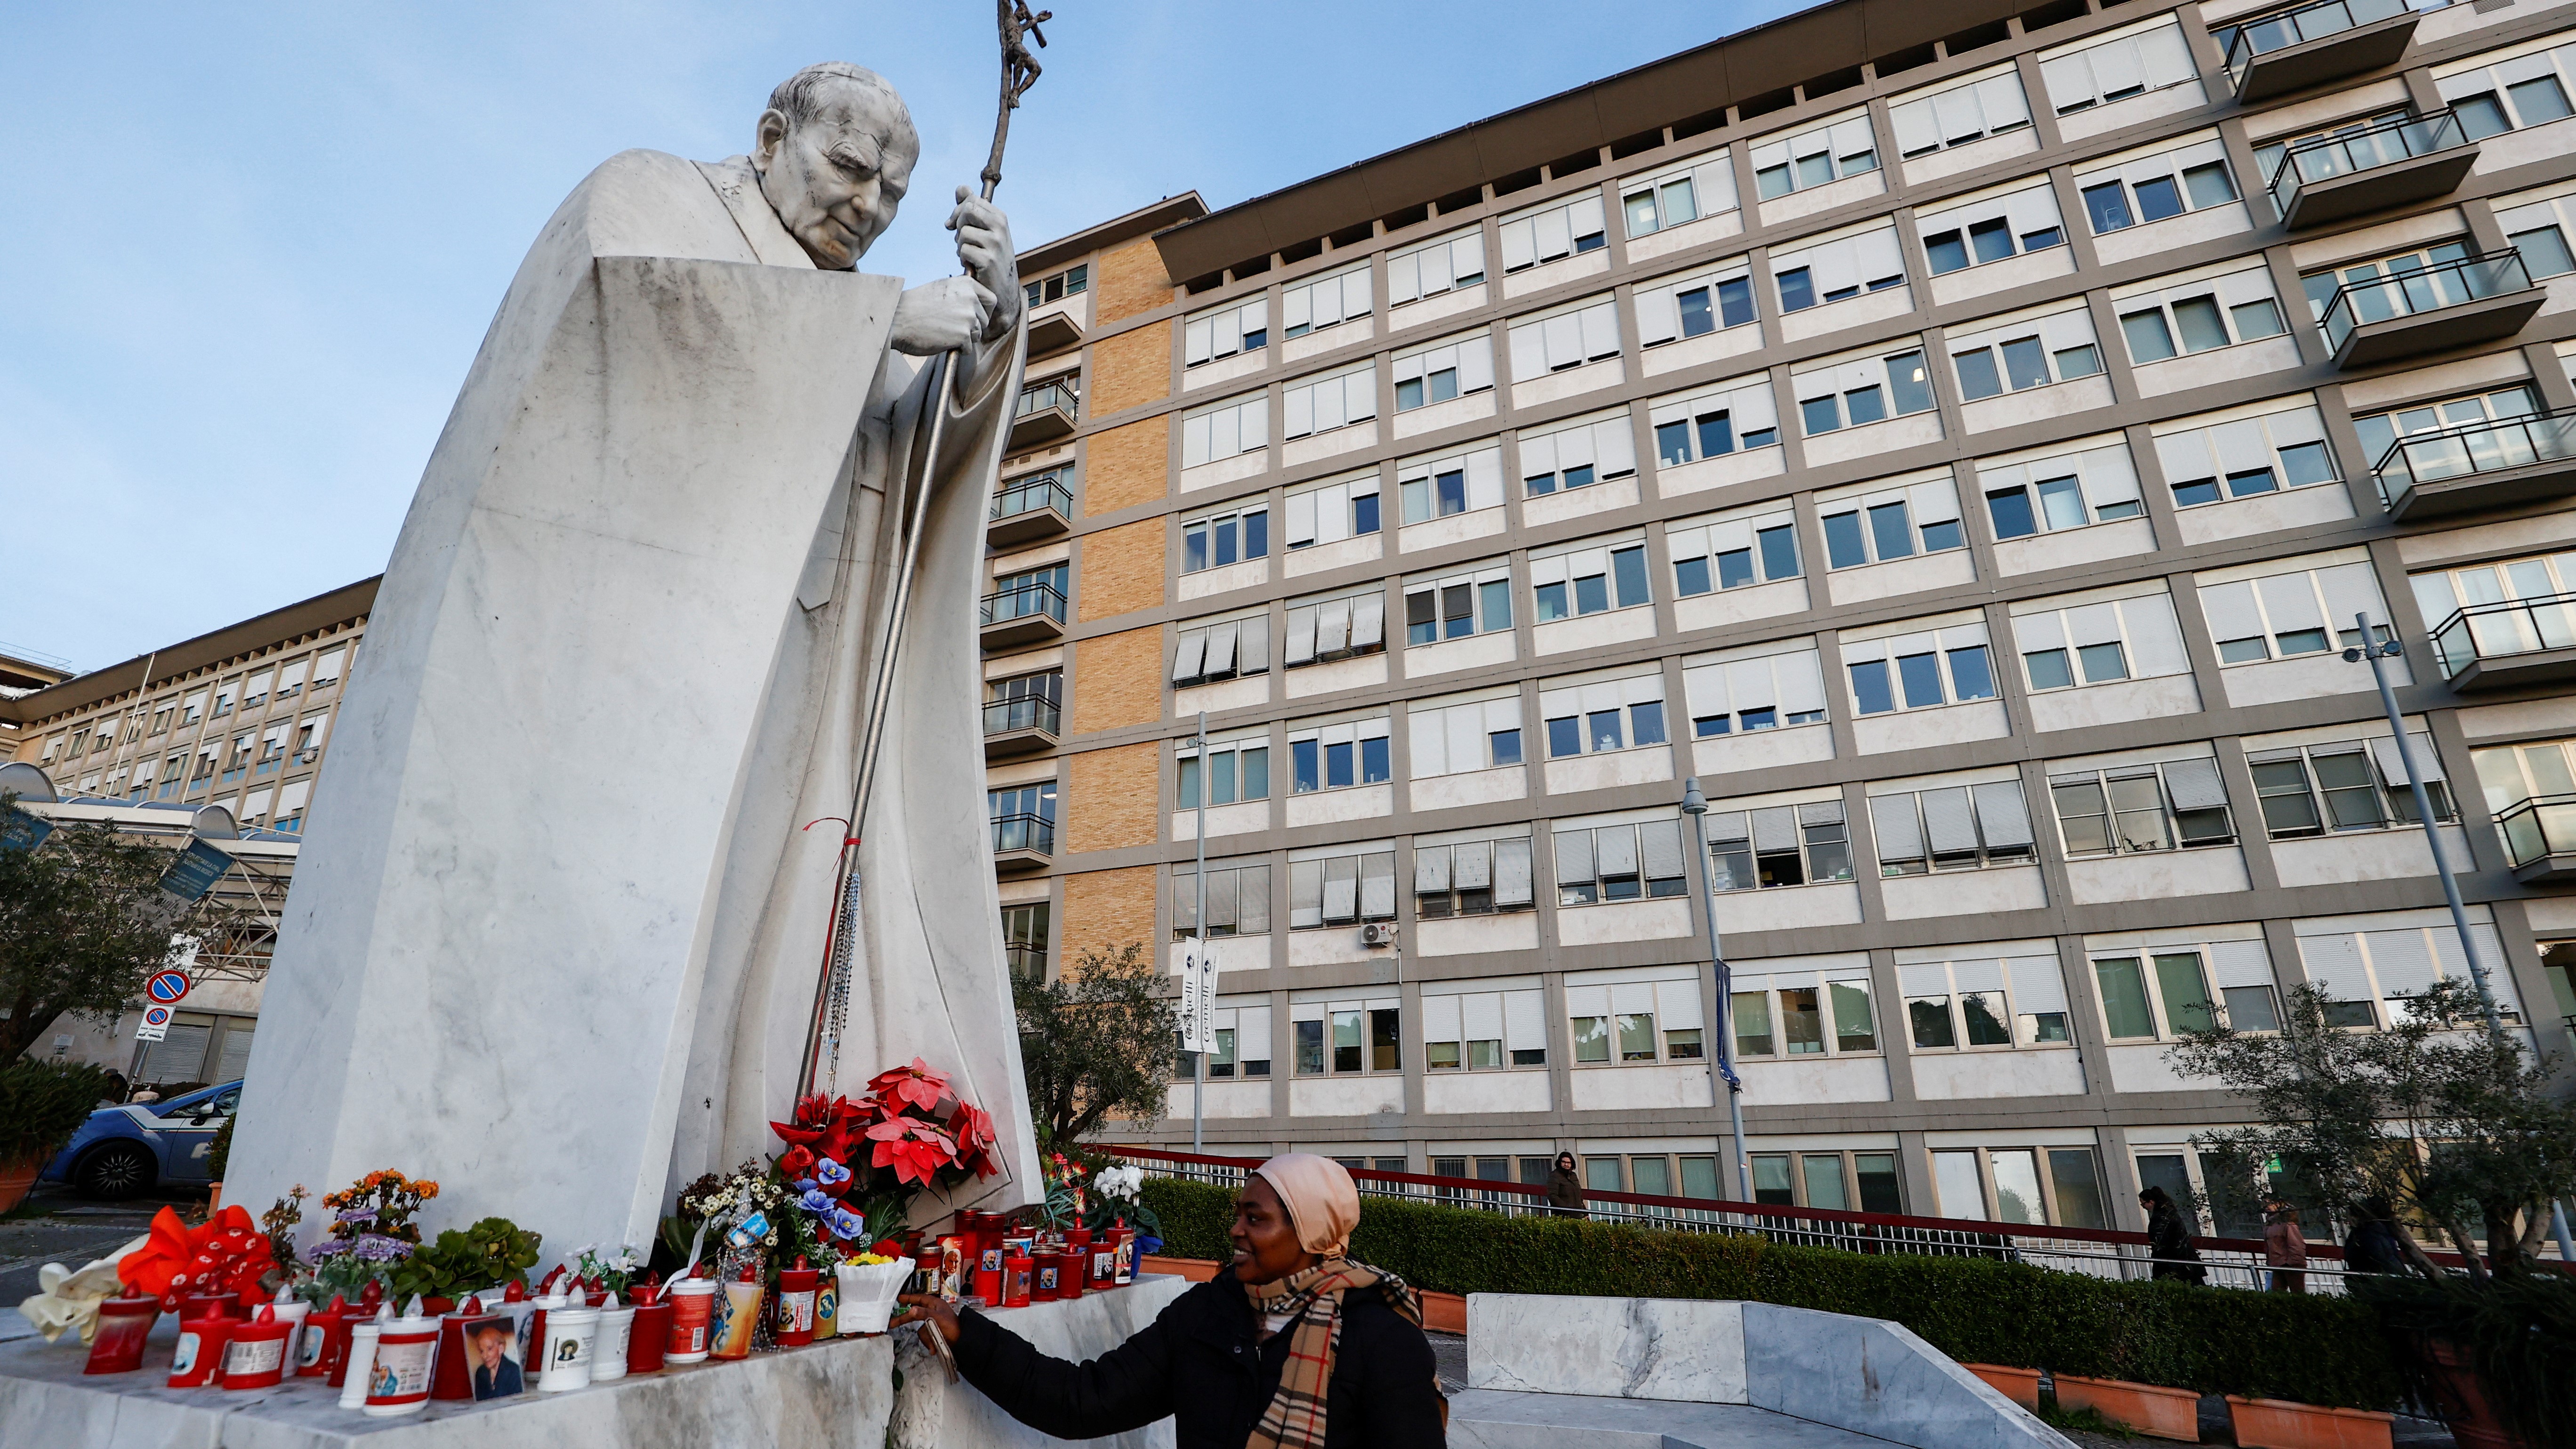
(41, 1105)
(460, 1264)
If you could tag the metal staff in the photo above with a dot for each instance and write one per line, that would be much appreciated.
(1020, 70)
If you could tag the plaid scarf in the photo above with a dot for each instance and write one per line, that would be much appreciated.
(1294, 1418)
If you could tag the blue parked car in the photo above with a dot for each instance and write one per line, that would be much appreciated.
(121, 1151)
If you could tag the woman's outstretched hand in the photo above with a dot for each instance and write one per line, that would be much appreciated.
(929, 1308)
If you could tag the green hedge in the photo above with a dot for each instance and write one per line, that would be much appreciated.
(2311, 1349)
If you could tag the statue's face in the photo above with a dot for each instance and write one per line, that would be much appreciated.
(836, 180)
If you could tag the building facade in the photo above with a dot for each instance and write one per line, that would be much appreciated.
(1969, 463)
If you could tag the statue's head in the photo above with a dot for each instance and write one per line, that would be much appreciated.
(834, 152)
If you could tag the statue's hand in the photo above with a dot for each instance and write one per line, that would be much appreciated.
(984, 250)
(942, 316)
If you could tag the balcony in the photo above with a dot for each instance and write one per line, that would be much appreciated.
(2540, 839)
(1029, 509)
(1023, 614)
(2483, 465)
(1053, 329)
(1046, 413)
(2308, 45)
(2431, 309)
(2375, 168)
(2513, 644)
(1022, 843)
(1021, 727)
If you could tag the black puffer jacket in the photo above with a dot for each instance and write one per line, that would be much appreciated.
(1199, 1363)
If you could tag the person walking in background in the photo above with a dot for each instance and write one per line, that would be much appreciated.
(1564, 1188)
(2373, 1246)
(2285, 1248)
(2169, 1240)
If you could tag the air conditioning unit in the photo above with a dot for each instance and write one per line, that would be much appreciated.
(1378, 933)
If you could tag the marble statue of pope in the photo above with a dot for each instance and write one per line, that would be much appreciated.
(557, 926)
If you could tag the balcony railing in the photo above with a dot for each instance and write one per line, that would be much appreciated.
(2420, 292)
(1048, 395)
(1003, 716)
(2315, 162)
(1024, 601)
(2539, 828)
(2483, 632)
(1028, 495)
(2265, 35)
(1023, 831)
(2489, 448)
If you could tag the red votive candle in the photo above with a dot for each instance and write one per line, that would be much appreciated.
(200, 1357)
(1015, 1280)
(256, 1357)
(797, 1288)
(123, 1325)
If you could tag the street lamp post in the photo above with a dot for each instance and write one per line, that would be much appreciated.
(1722, 1065)
(1198, 1059)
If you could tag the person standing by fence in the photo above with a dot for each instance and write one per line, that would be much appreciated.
(1564, 1188)
(2285, 1247)
(2169, 1240)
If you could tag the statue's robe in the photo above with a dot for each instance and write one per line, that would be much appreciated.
(557, 929)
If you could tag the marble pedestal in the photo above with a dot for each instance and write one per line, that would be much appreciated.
(838, 1394)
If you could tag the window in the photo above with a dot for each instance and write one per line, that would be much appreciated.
(2291, 612)
(1891, 523)
(1733, 415)
(1218, 539)
(2510, 774)
(1321, 630)
(1437, 266)
(1028, 593)
(2072, 1195)
(1924, 669)
(2421, 280)
(2346, 785)
(173, 775)
(1678, 309)
(255, 693)
(1778, 845)
(2526, 90)
(2062, 491)
(1242, 1046)
(1566, 338)
(224, 699)
(308, 738)
(1226, 331)
(1465, 733)
(1603, 715)
(2113, 70)
(1238, 900)
(1024, 939)
(1458, 483)
(290, 681)
(1338, 756)
(291, 798)
(1991, 104)
(2025, 353)
(1623, 862)
(1757, 545)
(1332, 511)
(1483, 1030)
(1991, 231)
(1746, 691)
(1570, 582)
(1551, 232)
(2199, 316)
(2128, 808)
(1868, 390)
(1704, 186)
(2155, 995)
(1236, 769)
(2444, 593)
(1951, 827)
(1838, 268)
(1222, 649)
(1326, 403)
(1326, 301)
(1984, 1002)
(2380, 431)
(2244, 456)
(2355, 145)
(1070, 282)
(2152, 186)
(1633, 1023)
(2073, 641)
(1579, 454)
(1341, 889)
(326, 672)
(2374, 967)
(1214, 434)
(1834, 148)
(193, 708)
(1450, 370)
(1471, 878)
(1351, 1037)
(2539, 231)
(1458, 606)
(1804, 1014)
(1023, 817)
(161, 716)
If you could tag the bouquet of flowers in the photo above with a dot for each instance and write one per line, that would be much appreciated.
(1117, 1193)
(370, 1230)
(613, 1271)
(856, 1165)
(1067, 1199)
(228, 1255)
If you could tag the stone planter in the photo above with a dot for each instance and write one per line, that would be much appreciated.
(18, 1178)
(2020, 1385)
(2280, 1424)
(2164, 1413)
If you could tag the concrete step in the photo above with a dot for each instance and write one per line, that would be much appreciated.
(1506, 1419)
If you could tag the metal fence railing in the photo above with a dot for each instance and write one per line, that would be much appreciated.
(1023, 831)
(1049, 395)
(2504, 628)
(1020, 601)
(1026, 713)
(1028, 495)
(2298, 24)
(2537, 828)
(2425, 289)
(2325, 158)
(2483, 447)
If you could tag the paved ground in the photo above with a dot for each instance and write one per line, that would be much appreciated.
(1451, 1350)
(71, 1231)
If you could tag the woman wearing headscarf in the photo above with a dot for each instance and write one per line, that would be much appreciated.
(1291, 1344)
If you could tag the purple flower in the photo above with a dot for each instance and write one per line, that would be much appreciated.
(830, 1172)
(333, 1247)
(357, 1215)
(376, 1248)
(815, 1202)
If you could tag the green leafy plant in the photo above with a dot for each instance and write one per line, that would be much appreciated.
(491, 1252)
(42, 1104)
(220, 1151)
(2518, 1332)
(1095, 1043)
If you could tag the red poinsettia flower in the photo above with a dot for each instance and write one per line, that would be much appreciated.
(916, 1150)
(913, 1086)
(974, 1129)
(226, 1255)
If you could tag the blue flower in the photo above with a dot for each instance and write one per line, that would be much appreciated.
(815, 1202)
(804, 1184)
(832, 1173)
(845, 1223)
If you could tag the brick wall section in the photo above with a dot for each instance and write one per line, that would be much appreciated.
(1128, 280)
(1110, 798)
(1122, 569)
(1125, 466)
(1131, 369)
(1117, 679)
(1104, 910)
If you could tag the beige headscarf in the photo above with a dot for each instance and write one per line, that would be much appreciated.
(1323, 1203)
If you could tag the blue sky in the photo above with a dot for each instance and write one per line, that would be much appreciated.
(251, 249)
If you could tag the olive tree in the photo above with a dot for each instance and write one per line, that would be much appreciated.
(1096, 1042)
(83, 922)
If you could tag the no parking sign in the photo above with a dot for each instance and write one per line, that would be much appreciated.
(167, 987)
(156, 1024)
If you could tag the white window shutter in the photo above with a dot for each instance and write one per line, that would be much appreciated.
(1377, 885)
(1801, 680)
(1222, 898)
(1749, 684)
(1227, 339)
(1430, 876)
(1185, 659)
(1551, 235)
(1775, 828)
(1301, 634)
(1573, 857)
(1252, 646)
(1297, 309)
(1476, 364)
(1615, 850)
(1524, 1015)
(1465, 738)
(1220, 649)
(1520, 246)
(1332, 513)
(1934, 502)
(2185, 456)
(1475, 865)
(2069, 79)
(1900, 834)
(2351, 589)
(1529, 351)
(1949, 821)
(1332, 626)
(1614, 448)
(1512, 883)
(1585, 216)
(2163, 58)
(1301, 519)
(2001, 100)
(1359, 394)
(1564, 339)
(1194, 440)
(1355, 293)
(1341, 888)
(1403, 280)
(2029, 211)
(1368, 621)
(2194, 784)
(2109, 476)
(1714, 181)
(2120, 64)
(2093, 624)
(1659, 317)
(1660, 849)
(1195, 341)
(2289, 602)
(1485, 478)
(1955, 112)
(2428, 761)
(1916, 130)
(1467, 255)
(1878, 255)
(2002, 813)
(1253, 419)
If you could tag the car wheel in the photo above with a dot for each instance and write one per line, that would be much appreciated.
(120, 1169)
